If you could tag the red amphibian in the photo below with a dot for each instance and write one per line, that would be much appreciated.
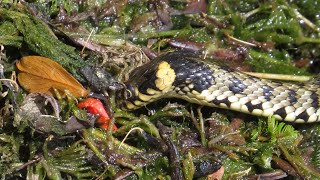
(95, 106)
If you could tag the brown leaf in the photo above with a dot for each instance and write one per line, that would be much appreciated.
(216, 175)
(40, 74)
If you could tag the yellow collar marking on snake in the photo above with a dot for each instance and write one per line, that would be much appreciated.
(165, 77)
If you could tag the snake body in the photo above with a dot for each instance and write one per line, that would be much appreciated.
(186, 76)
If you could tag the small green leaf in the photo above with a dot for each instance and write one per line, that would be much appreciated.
(264, 156)
(281, 132)
(188, 167)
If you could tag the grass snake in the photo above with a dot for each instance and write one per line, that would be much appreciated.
(186, 76)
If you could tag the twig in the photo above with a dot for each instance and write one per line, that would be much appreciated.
(135, 128)
(85, 45)
(283, 77)
(202, 132)
(240, 41)
(305, 20)
(36, 159)
(16, 86)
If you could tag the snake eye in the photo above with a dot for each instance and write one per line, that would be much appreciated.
(129, 92)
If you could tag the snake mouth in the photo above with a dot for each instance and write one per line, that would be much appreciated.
(131, 98)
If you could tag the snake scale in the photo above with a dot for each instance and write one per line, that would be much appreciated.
(186, 76)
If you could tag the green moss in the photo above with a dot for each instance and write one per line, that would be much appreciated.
(273, 62)
(41, 40)
(9, 35)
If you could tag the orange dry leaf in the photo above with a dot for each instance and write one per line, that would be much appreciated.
(40, 74)
(216, 175)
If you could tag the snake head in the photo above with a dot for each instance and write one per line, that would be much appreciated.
(147, 83)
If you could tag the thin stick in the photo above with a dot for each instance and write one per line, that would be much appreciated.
(307, 21)
(283, 77)
(16, 86)
(239, 40)
(85, 44)
(135, 128)
(202, 130)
